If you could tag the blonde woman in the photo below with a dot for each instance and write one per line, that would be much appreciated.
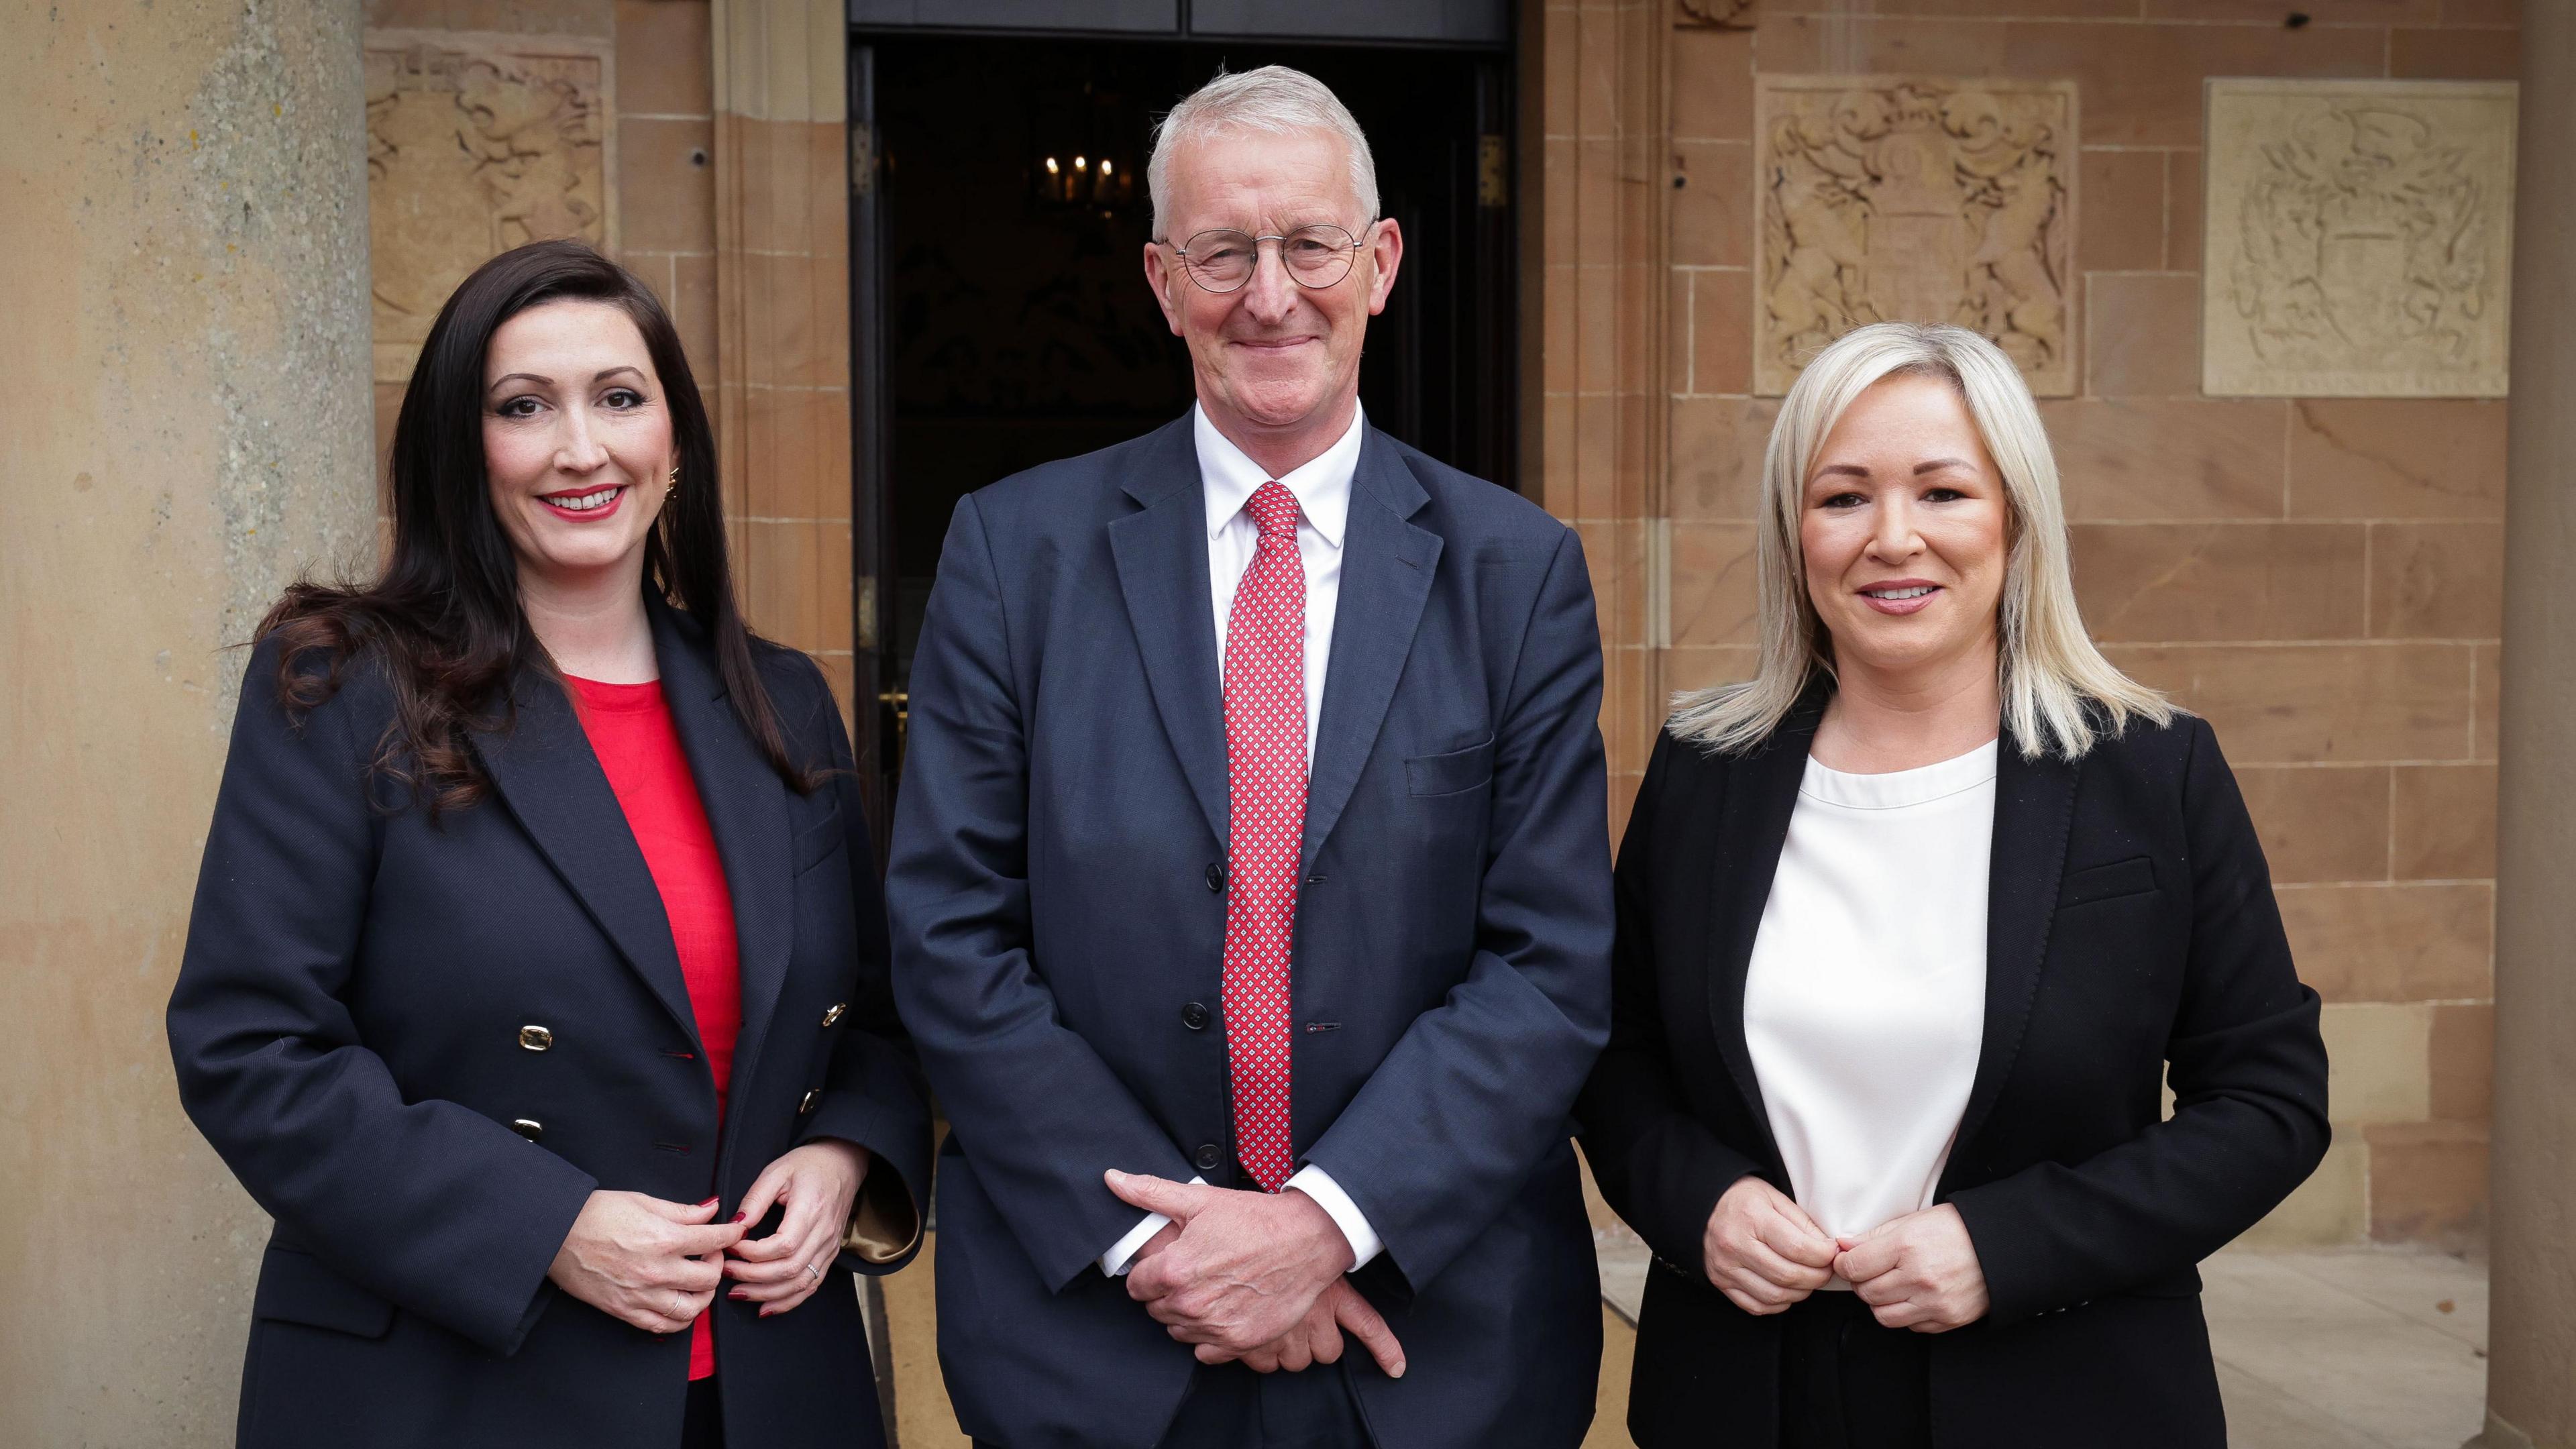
(1912, 929)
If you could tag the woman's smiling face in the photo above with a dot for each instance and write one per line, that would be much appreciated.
(1904, 525)
(578, 446)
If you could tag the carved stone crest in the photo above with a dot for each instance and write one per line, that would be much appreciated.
(2359, 238)
(1916, 199)
(475, 144)
(1719, 14)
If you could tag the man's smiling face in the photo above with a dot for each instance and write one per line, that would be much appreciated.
(1271, 353)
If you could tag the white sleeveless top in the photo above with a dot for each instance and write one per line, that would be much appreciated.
(1864, 1005)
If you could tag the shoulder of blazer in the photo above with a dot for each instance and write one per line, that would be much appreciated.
(1474, 511)
(360, 706)
(2159, 754)
(1085, 485)
(798, 692)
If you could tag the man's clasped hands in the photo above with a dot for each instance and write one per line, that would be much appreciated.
(1251, 1276)
(1258, 1276)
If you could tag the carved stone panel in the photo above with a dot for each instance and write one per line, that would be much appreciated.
(1916, 199)
(475, 144)
(2359, 238)
(1719, 14)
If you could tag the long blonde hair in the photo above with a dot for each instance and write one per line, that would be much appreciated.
(2059, 693)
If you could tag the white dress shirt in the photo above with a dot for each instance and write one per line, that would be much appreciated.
(1864, 1003)
(1322, 489)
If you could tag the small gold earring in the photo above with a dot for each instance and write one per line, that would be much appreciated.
(673, 482)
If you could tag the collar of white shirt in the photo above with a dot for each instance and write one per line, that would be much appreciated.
(1322, 486)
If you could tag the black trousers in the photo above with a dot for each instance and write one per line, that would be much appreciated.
(1231, 1407)
(702, 1422)
(1846, 1383)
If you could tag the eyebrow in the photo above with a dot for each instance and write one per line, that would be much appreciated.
(1934, 465)
(602, 375)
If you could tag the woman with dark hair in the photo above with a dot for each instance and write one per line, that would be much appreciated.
(536, 981)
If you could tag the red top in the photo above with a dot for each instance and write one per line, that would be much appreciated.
(631, 732)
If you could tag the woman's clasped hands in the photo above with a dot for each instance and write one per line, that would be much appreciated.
(657, 1264)
(647, 1262)
(1918, 1271)
(814, 1185)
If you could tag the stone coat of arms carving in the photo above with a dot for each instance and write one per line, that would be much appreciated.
(1916, 199)
(475, 144)
(2359, 237)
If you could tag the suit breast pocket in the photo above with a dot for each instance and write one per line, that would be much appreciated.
(814, 844)
(1454, 773)
(2132, 877)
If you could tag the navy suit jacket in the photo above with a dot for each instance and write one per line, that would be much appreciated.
(347, 1032)
(1058, 917)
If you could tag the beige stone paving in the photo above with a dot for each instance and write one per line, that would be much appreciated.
(2328, 1348)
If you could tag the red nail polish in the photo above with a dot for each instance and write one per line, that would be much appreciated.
(738, 1217)
(710, 1202)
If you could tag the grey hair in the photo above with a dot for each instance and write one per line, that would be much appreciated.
(2058, 691)
(1273, 100)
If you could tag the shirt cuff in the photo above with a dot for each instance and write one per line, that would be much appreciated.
(1122, 1254)
(1318, 1184)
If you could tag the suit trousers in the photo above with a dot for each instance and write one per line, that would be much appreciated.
(702, 1421)
(1231, 1407)
(1847, 1383)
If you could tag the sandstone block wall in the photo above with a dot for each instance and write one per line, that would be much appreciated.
(2320, 577)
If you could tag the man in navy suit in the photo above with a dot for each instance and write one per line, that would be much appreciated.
(1250, 885)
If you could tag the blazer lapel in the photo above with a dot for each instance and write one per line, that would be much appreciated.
(2034, 809)
(545, 772)
(1751, 829)
(746, 805)
(1387, 566)
(1162, 556)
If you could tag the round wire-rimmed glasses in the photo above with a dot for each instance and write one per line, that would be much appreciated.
(1222, 259)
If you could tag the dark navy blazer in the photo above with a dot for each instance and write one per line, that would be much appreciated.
(1056, 896)
(347, 1033)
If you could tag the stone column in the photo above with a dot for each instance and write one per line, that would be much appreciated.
(183, 288)
(1602, 296)
(783, 318)
(2531, 1387)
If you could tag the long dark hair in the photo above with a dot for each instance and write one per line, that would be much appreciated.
(444, 617)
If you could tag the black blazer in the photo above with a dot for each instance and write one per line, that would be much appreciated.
(350, 1032)
(2131, 926)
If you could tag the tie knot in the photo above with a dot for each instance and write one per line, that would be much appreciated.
(1274, 512)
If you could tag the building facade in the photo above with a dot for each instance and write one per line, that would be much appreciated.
(2200, 225)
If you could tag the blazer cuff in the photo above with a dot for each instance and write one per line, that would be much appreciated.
(1122, 1254)
(1318, 1184)
(884, 1226)
(1673, 1175)
(2005, 1231)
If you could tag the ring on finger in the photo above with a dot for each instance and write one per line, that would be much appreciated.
(817, 1272)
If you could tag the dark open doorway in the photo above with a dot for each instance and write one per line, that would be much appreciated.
(1000, 315)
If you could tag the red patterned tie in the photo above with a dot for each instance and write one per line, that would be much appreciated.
(1265, 767)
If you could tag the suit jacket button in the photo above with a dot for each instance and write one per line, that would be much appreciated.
(807, 1105)
(1216, 875)
(1209, 1156)
(528, 1127)
(536, 1038)
(1195, 1016)
(834, 1015)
